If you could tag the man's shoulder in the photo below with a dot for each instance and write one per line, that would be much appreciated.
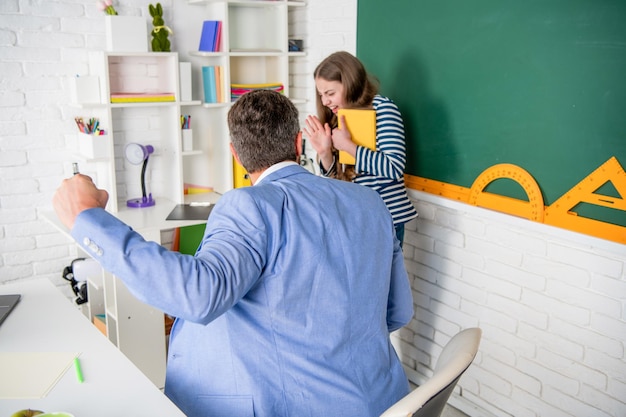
(270, 188)
(351, 188)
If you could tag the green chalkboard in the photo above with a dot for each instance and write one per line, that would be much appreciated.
(536, 83)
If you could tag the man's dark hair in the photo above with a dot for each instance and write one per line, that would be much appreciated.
(263, 127)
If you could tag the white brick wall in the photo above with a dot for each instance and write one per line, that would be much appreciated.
(552, 304)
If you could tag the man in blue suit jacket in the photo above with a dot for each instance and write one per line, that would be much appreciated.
(287, 306)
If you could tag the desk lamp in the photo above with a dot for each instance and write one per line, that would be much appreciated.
(137, 154)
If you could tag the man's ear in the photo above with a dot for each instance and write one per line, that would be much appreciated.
(234, 152)
(299, 146)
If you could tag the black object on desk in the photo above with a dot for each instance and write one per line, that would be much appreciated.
(7, 304)
(199, 211)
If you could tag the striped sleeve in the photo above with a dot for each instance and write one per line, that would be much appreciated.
(389, 159)
(383, 169)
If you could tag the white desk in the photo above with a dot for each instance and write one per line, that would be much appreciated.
(148, 221)
(46, 321)
(137, 329)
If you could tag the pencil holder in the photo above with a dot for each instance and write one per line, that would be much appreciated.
(94, 146)
(187, 140)
(85, 89)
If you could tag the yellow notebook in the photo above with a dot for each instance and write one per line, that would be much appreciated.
(362, 127)
(141, 97)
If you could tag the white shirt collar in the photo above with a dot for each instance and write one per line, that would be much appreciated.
(274, 168)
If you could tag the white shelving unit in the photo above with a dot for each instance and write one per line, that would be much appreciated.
(137, 329)
(254, 49)
(147, 123)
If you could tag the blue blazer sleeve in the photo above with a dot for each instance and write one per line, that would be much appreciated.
(197, 289)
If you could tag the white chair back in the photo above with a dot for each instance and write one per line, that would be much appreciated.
(430, 398)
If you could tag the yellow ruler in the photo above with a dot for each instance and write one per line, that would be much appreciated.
(531, 209)
(558, 214)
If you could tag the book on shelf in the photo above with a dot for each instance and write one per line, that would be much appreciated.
(218, 36)
(362, 127)
(190, 188)
(185, 81)
(219, 85)
(211, 36)
(237, 90)
(255, 50)
(212, 84)
(142, 97)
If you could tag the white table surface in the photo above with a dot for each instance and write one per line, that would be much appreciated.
(149, 220)
(46, 321)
